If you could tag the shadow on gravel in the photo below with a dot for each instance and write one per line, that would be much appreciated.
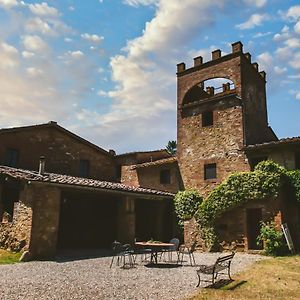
(82, 254)
(163, 266)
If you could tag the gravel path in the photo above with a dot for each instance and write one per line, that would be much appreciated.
(93, 279)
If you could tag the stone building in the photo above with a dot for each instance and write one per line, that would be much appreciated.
(222, 130)
(81, 196)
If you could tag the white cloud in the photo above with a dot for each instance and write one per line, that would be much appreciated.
(253, 21)
(261, 34)
(34, 43)
(283, 53)
(280, 71)
(8, 3)
(257, 3)
(76, 54)
(43, 10)
(9, 56)
(38, 25)
(292, 43)
(27, 54)
(140, 2)
(102, 93)
(92, 37)
(265, 60)
(297, 27)
(293, 12)
(295, 61)
(298, 96)
(34, 72)
(284, 34)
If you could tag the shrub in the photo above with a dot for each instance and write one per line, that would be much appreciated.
(186, 204)
(271, 238)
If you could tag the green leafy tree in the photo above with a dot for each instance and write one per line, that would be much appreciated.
(172, 147)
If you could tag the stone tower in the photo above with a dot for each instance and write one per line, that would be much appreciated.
(214, 125)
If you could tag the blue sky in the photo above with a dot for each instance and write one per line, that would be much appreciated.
(106, 69)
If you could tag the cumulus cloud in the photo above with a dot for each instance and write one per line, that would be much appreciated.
(293, 13)
(295, 61)
(94, 38)
(297, 27)
(253, 21)
(38, 25)
(43, 10)
(8, 3)
(34, 43)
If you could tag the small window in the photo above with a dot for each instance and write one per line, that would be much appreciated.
(207, 119)
(12, 157)
(297, 160)
(210, 171)
(165, 176)
(84, 168)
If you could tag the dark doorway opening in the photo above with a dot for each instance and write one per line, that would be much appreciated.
(87, 221)
(254, 217)
(154, 220)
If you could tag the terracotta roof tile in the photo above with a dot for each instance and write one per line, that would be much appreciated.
(284, 141)
(77, 181)
(163, 161)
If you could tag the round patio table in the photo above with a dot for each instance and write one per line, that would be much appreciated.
(155, 249)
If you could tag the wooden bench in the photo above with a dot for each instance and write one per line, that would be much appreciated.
(222, 263)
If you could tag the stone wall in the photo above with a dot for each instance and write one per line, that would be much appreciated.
(232, 226)
(45, 220)
(220, 144)
(149, 177)
(63, 152)
(16, 235)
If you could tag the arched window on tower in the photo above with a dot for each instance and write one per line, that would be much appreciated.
(209, 88)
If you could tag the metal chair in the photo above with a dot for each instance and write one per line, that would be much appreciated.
(121, 252)
(171, 249)
(185, 250)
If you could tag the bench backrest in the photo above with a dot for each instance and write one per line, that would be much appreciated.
(224, 261)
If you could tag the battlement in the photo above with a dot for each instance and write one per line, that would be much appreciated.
(216, 58)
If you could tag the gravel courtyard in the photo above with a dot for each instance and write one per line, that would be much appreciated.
(93, 279)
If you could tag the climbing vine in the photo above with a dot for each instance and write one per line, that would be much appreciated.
(186, 204)
(263, 183)
(294, 177)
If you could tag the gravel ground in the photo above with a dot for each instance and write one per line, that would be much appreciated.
(93, 279)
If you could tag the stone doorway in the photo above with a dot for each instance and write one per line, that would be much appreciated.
(254, 217)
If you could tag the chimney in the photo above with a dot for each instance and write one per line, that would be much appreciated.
(42, 165)
(180, 67)
(210, 90)
(237, 47)
(198, 61)
(224, 86)
(216, 54)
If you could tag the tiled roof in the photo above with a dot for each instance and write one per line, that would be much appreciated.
(142, 152)
(77, 181)
(284, 141)
(54, 125)
(164, 161)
